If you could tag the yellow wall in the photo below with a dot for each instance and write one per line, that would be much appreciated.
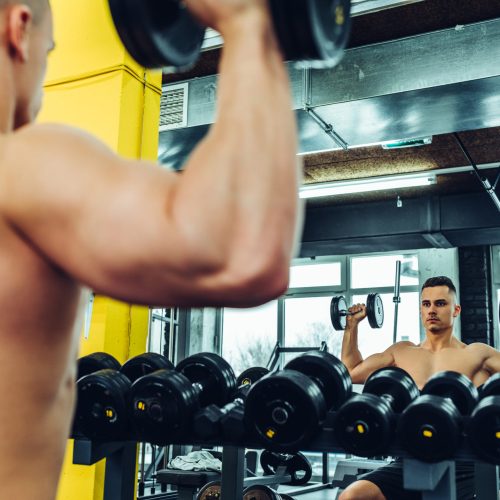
(92, 83)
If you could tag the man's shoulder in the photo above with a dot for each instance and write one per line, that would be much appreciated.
(479, 347)
(35, 142)
(403, 345)
(44, 134)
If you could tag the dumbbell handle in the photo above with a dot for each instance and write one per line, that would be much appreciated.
(389, 398)
(208, 430)
(345, 312)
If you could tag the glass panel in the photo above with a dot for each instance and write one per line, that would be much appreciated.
(311, 275)
(371, 341)
(249, 336)
(380, 270)
(156, 332)
(307, 324)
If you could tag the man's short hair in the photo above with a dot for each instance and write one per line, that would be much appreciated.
(38, 7)
(440, 281)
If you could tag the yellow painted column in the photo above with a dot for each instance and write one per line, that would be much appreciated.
(92, 83)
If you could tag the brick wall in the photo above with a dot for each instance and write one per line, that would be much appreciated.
(475, 294)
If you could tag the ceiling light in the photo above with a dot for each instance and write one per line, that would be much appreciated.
(407, 143)
(366, 185)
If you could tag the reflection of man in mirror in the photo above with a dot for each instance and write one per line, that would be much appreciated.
(439, 351)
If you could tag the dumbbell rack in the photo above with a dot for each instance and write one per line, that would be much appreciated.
(435, 481)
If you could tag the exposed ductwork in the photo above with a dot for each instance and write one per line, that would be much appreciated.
(424, 85)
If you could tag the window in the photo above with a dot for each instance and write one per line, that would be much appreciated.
(380, 271)
(163, 329)
(315, 274)
(249, 335)
(377, 274)
(308, 324)
(371, 341)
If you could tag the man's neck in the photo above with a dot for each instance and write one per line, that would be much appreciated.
(435, 341)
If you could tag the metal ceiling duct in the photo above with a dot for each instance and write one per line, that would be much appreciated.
(435, 83)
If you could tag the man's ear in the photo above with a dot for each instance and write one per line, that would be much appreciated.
(457, 310)
(19, 23)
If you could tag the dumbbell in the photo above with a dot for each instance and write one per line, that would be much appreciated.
(95, 362)
(165, 34)
(85, 366)
(294, 465)
(431, 427)
(212, 420)
(164, 402)
(261, 492)
(102, 411)
(483, 431)
(284, 410)
(365, 424)
(213, 491)
(374, 311)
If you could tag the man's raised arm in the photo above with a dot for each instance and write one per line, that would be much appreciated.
(360, 369)
(222, 232)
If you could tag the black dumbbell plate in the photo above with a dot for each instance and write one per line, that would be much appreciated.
(284, 410)
(430, 429)
(484, 429)
(158, 33)
(330, 373)
(214, 373)
(144, 364)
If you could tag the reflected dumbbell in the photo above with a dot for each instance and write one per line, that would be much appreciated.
(483, 431)
(213, 491)
(227, 421)
(164, 402)
(295, 465)
(285, 410)
(431, 427)
(102, 412)
(365, 424)
(85, 366)
(374, 311)
(95, 362)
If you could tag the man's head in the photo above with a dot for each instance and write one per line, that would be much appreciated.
(27, 38)
(438, 304)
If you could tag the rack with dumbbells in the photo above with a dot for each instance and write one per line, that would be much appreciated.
(447, 396)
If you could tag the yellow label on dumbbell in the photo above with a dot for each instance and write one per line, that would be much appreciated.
(339, 15)
(270, 433)
(141, 405)
(110, 413)
(427, 433)
(360, 428)
(497, 434)
(246, 381)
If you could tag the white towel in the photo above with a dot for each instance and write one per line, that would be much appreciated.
(196, 461)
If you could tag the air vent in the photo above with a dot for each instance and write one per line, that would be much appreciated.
(173, 111)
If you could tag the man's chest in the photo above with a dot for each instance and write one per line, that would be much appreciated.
(422, 364)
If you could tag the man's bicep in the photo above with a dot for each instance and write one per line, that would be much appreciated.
(380, 360)
(94, 215)
(492, 363)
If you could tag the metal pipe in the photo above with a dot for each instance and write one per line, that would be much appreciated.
(327, 128)
(396, 299)
(483, 180)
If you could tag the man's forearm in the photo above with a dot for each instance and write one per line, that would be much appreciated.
(351, 356)
(246, 170)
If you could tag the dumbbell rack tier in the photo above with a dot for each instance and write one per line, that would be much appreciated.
(435, 481)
